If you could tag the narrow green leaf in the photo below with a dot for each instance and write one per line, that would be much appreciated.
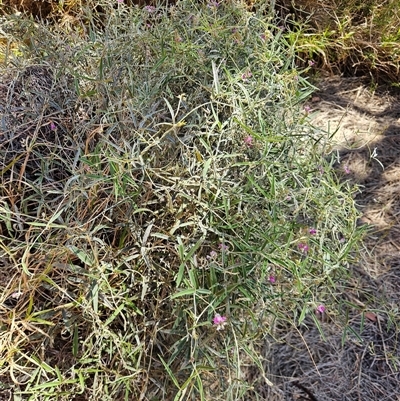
(114, 314)
(82, 255)
(75, 342)
(183, 293)
(170, 374)
(206, 167)
(303, 314)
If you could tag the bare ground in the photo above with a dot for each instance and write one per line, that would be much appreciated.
(361, 360)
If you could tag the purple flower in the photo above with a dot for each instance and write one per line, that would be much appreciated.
(212, 255)
(150, 9)
(219, 321)
(246, 75)
(307, 109)
(213, 4)
(321, 309)
(53, 126)
(347, 169)
(312, 231)
(303, 247)
(248, 140)
(223, 247)
(120, 1)
(272, 279)
(311, 63)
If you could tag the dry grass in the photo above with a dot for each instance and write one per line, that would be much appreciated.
(347, 37)
(156, 172)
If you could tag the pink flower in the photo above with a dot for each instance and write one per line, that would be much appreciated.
(52, 126)
(219, 321)
(321, 309)
(246, 75)
(312, 231)
(311, 63)
(213, 4)
(248, 140)
(272, 279)
(347, 169)
(303, 247)
(150, 9)
(307, 109)
(223, 247)
(120, 1)
(212, 255)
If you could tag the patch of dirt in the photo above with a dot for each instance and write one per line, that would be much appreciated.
(361, 362)
(366, 124)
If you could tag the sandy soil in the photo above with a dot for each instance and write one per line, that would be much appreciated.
(366, 126)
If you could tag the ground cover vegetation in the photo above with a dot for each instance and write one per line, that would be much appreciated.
(351, 38)
(343, 36)
(164, 203)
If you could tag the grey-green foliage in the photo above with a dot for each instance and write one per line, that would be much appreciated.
(191, 177)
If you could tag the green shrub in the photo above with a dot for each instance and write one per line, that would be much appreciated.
(159, 175)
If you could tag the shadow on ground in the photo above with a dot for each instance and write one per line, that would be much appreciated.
(362, 360)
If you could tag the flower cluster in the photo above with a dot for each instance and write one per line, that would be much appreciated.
(213, 4)
(223, 247)
(246, 75)
(219, 321)
(150, 9)
(213, 255)
(303, 247)
(248, 140)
